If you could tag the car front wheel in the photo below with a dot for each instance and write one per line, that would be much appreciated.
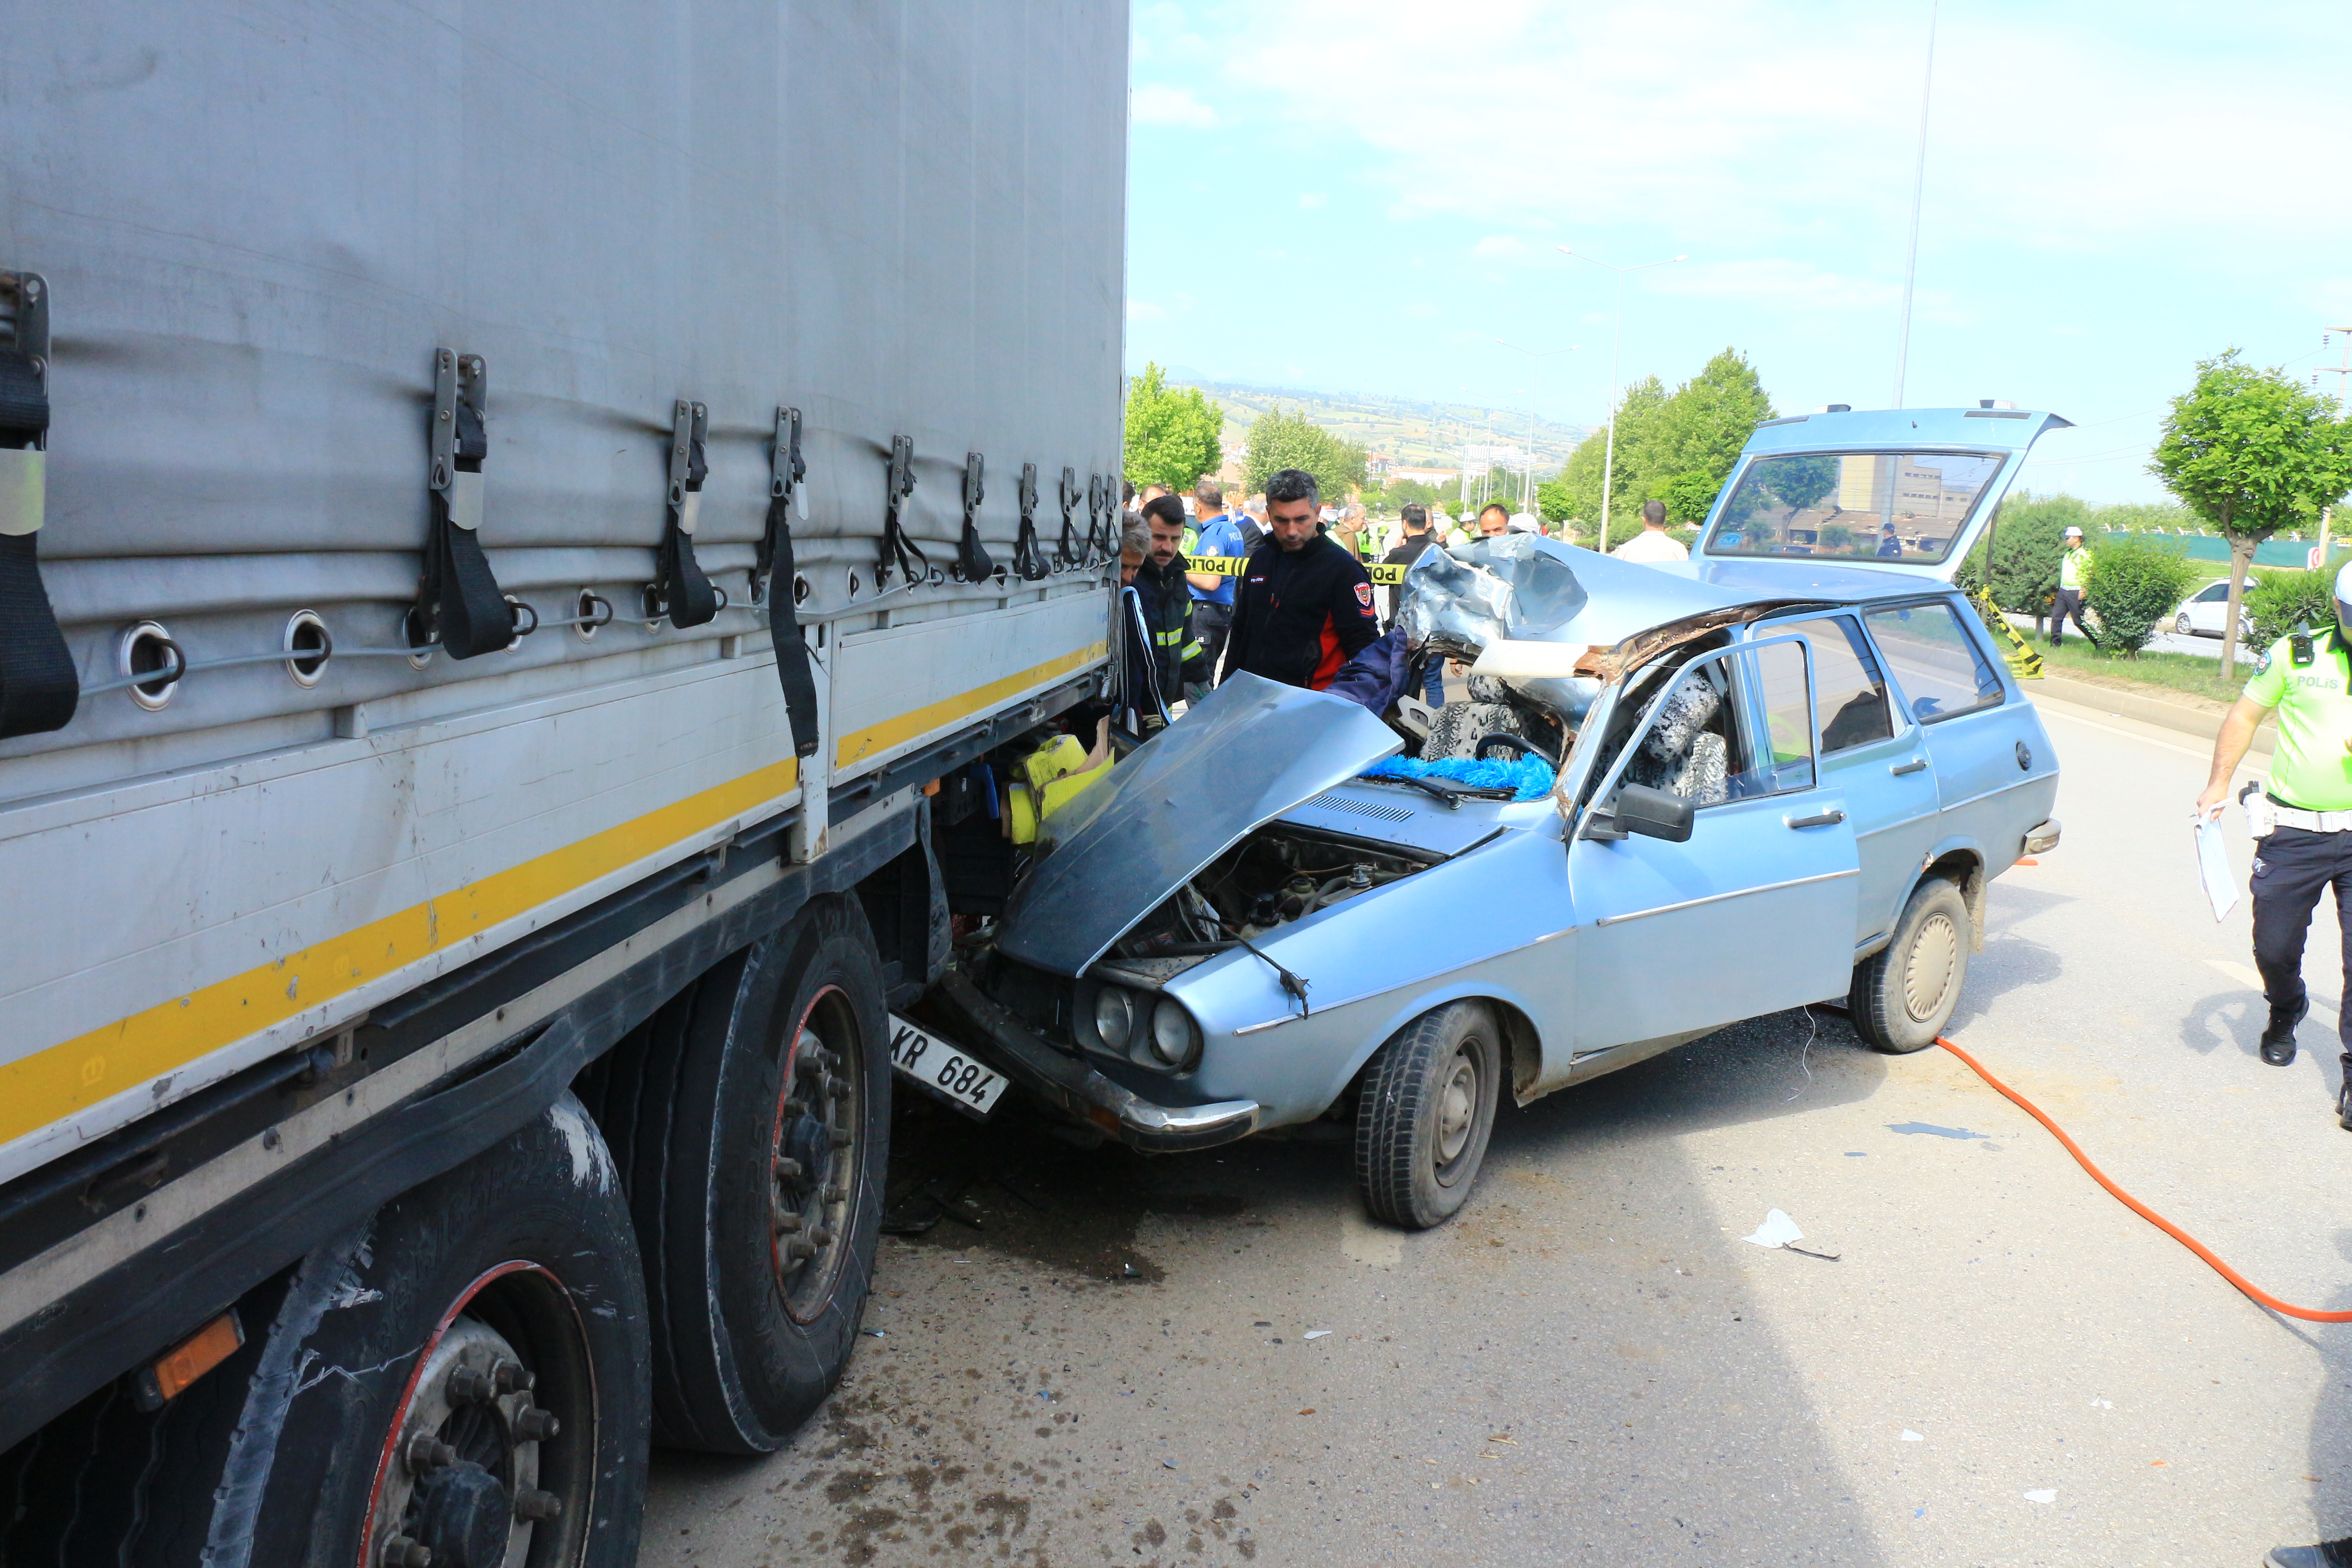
(2180, 626)
(1427, 1109)
(1903, 993)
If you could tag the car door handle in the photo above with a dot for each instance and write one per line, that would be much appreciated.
(1913, 766)
(1821, 819)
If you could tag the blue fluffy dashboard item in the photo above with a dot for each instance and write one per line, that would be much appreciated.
(1530, 778)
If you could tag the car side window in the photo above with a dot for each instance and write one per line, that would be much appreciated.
(1709, 744)
(2215, 595)
(1935, 661)
(1846, 681)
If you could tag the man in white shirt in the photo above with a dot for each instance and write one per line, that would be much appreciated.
(1653, 545)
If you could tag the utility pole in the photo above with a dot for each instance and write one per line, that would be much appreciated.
(1918, 187)
(1616, 347)
(2340, 372)
(1538, 355)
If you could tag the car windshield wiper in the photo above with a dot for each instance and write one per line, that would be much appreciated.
(1453, 795)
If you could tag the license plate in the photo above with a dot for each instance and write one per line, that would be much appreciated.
(922, 1057)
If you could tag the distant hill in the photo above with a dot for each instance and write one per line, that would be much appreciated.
(1416, 433)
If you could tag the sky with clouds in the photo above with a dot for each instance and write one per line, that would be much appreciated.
(1366, 195)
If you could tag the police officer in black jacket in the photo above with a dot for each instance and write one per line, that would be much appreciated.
(1305, 606)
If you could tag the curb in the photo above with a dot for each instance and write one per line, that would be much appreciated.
(2157, 711)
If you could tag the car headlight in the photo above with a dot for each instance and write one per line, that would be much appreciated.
(1175, 1038)
(1114, 1017)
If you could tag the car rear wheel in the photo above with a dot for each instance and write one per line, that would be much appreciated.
(1426, 1112)
(1903, 993)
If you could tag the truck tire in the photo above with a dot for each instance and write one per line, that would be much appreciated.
(1903, 993)
(462, 1374)
(1427, 1111)
(751, 1118)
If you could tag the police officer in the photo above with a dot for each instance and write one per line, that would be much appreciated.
(2308, 683)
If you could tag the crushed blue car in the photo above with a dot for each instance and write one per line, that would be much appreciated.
(1798, 757)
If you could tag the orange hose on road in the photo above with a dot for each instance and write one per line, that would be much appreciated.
(2253, 1294)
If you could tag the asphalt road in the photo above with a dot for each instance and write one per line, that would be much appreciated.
(1111, 1361)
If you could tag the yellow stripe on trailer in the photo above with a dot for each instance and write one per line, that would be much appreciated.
(1382, 572)
(37, 1090)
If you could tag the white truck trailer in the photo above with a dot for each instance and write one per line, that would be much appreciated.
(445, 956)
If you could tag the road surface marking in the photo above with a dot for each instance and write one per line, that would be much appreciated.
(2248, 976)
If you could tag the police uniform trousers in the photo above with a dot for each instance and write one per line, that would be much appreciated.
(2292, 868)
(2067, 603)
(1210, 621)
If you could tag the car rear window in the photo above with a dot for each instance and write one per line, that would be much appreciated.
(1935, 661)
(1906, 507)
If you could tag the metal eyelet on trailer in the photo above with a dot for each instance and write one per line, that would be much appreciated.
(309, 646)
(151, 664)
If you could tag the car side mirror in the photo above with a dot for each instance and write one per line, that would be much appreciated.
(1652, 812)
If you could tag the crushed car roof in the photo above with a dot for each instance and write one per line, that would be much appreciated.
(1622, 598)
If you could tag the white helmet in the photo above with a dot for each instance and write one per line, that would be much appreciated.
(2344, 599)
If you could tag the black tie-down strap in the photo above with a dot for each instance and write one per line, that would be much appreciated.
(1068, 551)
(38, 691)
(1102, 505)
(681, 590)
(900, 554)
(458, 603)
(1028, 558)
(774, 568)
(973, 563)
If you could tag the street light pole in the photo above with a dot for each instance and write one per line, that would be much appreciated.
(1919, 189)
(1616, 347)
(1529, 502)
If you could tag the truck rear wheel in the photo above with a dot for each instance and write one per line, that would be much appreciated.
(1424, 1116)
(461, 1379)
(751, 1117)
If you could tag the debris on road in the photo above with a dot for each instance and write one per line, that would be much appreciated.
(2047, 1494)
(1319, 1334)
(1778, 1230)
(1911, 1436)
(1930, 1127)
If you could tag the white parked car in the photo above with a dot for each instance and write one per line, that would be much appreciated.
(2201, 614)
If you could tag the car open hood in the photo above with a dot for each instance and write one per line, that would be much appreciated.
(1247, 752)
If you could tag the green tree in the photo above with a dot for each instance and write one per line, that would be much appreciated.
(1689, 496)
(1279, 440)
(2027, 537)
(1412, 492)
(2133, 587)
(2252, 452)
(1703, 427)
(1171, 432)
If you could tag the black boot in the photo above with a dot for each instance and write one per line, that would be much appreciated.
(2278, 1041)
(2343, 1098)
(2326, 1554)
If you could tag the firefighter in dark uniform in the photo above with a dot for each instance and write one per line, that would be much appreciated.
(1177, 656)
(1305, 604)
(2303, 819)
